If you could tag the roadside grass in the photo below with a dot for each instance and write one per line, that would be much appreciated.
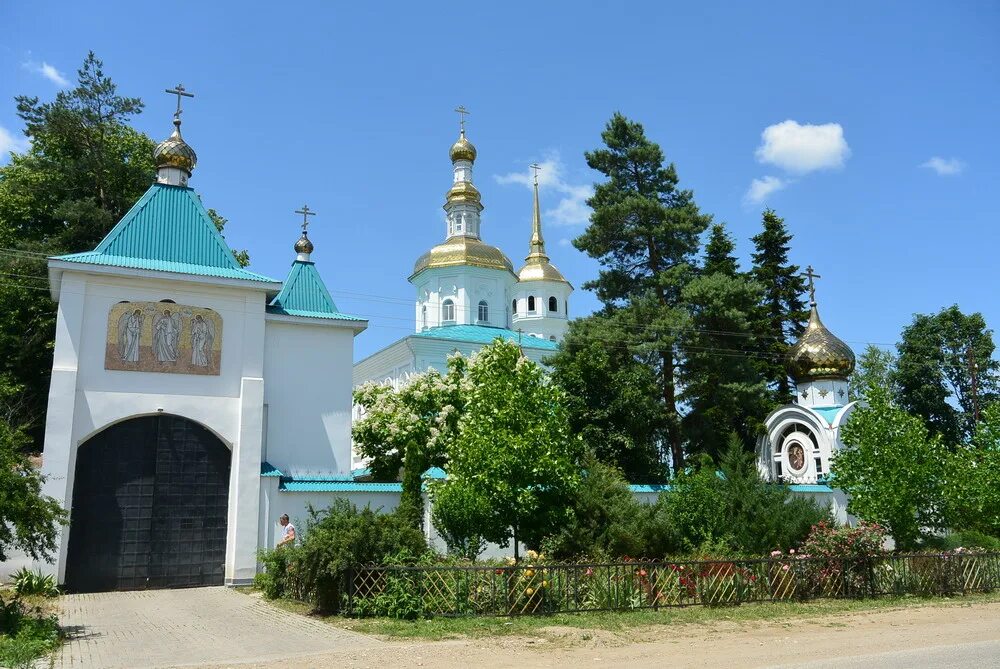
(29, 629)
(440, 628)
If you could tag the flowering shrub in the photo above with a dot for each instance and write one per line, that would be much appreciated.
(867, 540)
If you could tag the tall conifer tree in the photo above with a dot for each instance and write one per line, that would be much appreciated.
(783, 312)
(720, 373)
(645, 232)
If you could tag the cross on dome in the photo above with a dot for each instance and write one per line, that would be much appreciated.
(306, 213)
(810, 276)
(535, 167)
(180, 92)
(462, 112)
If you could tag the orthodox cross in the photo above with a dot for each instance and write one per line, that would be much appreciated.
(535, 167)
(179, 92)
(811, 275)
(306, 213)
(462, 112)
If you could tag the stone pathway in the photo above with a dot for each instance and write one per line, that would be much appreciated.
(195, 626)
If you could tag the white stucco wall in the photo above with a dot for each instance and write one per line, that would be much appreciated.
(307, 364)
(541, 322)
(466, 286)
(85, 398)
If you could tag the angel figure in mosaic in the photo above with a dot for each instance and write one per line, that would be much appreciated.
(129, 331)
(202, 337)
(166, 335)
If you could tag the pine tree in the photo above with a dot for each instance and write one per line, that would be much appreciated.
(721, 379)
(783, 312)
(645, 232)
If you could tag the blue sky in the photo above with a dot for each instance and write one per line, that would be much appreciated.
(871, 127)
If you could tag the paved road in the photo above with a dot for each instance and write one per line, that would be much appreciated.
(166, 628)
(962, 656)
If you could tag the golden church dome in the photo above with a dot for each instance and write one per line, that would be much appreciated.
(304, 244)
(462, 149)
(541, 270)
(460, 250)
(175, 152)
(464, 191)
(819, 354)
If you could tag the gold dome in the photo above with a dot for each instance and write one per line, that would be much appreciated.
(460, 250)
(175, 152)
(819, 354)
(304, 245)
(462, 149)
(540, 271)
(464, 191)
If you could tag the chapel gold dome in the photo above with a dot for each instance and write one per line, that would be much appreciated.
(819, 354)
(175, 152)
(304, 245)
(460, 250)
(540, 271)
(464, 191)
(462, 150)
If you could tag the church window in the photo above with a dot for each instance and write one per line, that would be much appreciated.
(423, 317)
(553, 304)
(531, 304)
(448, 311)
(484, 311)
(513, 307)
(552, 337)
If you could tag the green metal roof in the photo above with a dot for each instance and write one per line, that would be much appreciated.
(305, 294)
(339, 486)
(483, 334)
(168, 230)
(267, 469)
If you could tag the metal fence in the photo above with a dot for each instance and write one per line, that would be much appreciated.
(552, 588)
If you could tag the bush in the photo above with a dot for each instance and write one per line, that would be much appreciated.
(342, 536)
(731, 507)
(27, 582)
(26, 634)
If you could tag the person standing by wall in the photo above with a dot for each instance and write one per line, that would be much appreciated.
(287, 532)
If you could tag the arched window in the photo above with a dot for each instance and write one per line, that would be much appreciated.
(423, 317)
(484, 311)
(448, 311)
(513, 307)
(552, 337)
(553, 304)
(531, 304)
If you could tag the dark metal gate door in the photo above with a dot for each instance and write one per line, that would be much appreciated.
(150, 500)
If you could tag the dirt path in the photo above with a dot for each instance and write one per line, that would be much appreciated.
(794, 641)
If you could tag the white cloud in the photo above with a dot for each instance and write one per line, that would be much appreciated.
(9, 142)
(945, 166)
(572, 207)
(805, 148)
(565, 241)
(761, 188)
(47, 71)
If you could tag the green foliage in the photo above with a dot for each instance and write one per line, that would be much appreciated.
(644, 232)
(783, 312)
(875, 369)
(606, 519)
(513, 450)
(28, 582)
(29, 520)
(971, 479)
(891, 468)
(457, 513)
(242, 256)
(335, 539)
(733, 507)
(867, 540)
(26, 634)
(612, 396)
(939, 355)
(722, 382)
(409, 429)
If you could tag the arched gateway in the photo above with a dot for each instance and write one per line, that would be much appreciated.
(150, 500)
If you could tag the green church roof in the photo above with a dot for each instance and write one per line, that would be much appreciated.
(168, 230)
(483, 334)
(305, 294)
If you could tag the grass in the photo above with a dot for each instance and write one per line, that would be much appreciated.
(436, 629)
(29, 629)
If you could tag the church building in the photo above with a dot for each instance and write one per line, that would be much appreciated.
(801, 439)
(184, 401)
(468, 294)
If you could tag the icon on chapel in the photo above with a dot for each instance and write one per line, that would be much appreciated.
(796, 457)
(163, 337)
